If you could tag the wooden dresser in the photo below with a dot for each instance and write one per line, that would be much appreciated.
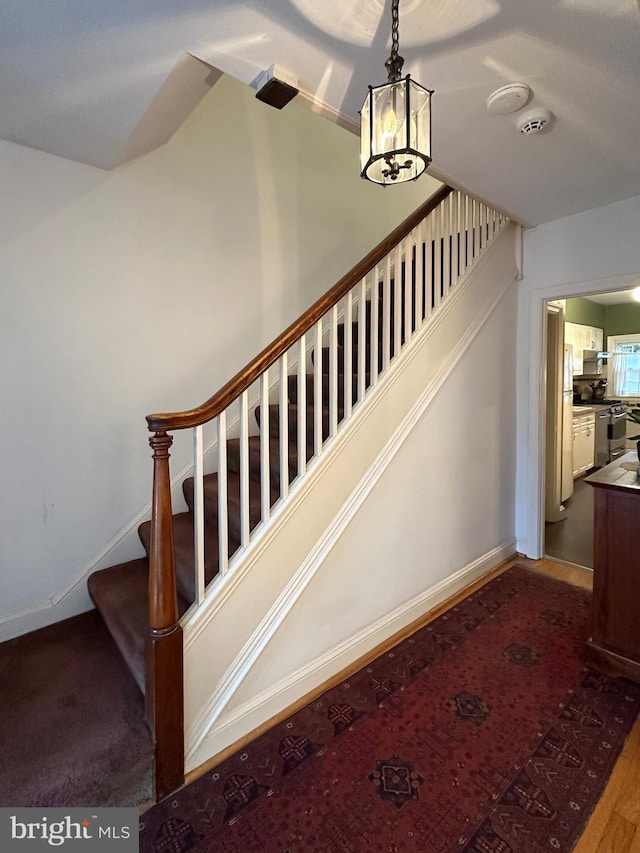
(614, 645)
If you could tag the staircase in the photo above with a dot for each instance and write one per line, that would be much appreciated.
(344, 344)
(120, 593)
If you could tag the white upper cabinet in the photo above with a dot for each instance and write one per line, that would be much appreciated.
(581, 338)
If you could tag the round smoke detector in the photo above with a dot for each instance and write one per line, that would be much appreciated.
(535, 121)
(508, 99)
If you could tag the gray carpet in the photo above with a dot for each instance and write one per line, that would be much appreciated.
(73, 730)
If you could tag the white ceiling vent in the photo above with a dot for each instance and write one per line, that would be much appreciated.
(535, 121)
(508, 99)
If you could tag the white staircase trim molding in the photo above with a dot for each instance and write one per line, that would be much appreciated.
(206, 732)
(285, 693)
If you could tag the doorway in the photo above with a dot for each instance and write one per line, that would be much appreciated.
(568, 524)
(568, 511)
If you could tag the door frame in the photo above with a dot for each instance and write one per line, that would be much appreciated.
(531, 476)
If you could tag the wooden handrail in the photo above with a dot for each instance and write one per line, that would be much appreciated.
(245, 378)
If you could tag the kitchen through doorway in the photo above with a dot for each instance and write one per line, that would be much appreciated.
(568, 502)
(577, 398)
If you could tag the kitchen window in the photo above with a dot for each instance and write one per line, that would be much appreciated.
(624, 365)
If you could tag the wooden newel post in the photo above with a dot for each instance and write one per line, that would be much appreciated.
(164, 689)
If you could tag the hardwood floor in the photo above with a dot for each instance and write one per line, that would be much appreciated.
(614, 826)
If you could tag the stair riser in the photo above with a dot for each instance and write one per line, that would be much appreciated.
(292, 387)
(184, 552)
(233, 502)
(233, 460)
(292, 422)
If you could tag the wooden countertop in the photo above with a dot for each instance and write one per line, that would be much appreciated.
(616, 475)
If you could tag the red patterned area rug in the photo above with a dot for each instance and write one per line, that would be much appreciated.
(483, 732)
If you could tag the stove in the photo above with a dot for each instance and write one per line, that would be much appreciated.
(611, 431)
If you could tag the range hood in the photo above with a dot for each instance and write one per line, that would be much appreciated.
(593, 362)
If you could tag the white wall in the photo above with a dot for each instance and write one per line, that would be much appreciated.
(142, 290)
(592, 252)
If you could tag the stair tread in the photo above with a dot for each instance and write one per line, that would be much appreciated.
(120, 594)
(184, 552)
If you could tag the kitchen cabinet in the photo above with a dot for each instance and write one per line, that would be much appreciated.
(581, 338)
(614, 644)
(592, 338)
(584, 443)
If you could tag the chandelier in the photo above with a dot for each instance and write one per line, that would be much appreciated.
(395, 123)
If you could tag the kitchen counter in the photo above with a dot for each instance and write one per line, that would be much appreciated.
(579, 408)
(616, 475)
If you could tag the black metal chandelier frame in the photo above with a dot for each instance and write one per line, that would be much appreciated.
(395, 122)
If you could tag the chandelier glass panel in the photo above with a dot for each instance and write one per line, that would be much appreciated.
(395, 127)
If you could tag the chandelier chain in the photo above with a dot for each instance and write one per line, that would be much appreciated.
(395, 25)
(394, 63)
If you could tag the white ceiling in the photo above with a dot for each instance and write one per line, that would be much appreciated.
(619, 297)
(101, 82)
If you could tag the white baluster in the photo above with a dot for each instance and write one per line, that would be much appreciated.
(302, 406)
(460, 232)
(362, 340)
(474, 227)
(375, 326)
(244, 468)
(284, 428)
(333, 371)
(467, 232)
(223, 533)
(483, 225)
(453, 239)
(419, 275)
(437, 257)
(428, 266)
(348, 361)
(198, 511)
(446, 246)
(409, 266)
(386, 314)
(397, 301)
(317, 390)
(265, 478)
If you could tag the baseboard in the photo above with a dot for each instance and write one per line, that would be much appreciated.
(250, 717)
